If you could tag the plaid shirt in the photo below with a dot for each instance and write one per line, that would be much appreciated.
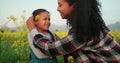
(104, 50)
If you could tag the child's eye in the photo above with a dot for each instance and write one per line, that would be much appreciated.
(45, 19)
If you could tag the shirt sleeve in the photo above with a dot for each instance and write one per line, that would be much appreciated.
(60, 47)
(34, 32)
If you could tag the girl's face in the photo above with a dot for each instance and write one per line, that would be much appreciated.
(44, 22)
(64, 9)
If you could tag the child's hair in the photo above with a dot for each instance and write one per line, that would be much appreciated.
(85, 19)
(38, 11)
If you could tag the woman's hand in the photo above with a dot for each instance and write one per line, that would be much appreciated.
(30, 23)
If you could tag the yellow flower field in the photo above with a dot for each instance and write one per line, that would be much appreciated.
(14, 46)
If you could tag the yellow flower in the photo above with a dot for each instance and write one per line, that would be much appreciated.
(70, 59)
(37, 17)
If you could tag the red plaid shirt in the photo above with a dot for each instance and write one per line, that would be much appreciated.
(105, 50)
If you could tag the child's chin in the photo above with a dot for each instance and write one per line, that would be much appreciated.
(46, 29)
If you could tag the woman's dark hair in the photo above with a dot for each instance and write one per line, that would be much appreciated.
(38, 11)
(85, 19)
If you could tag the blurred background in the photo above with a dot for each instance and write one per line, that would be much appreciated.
(14, 47)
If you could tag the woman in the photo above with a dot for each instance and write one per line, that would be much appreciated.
(88, 40)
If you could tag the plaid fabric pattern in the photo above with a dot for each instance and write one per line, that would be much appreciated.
(104, 50)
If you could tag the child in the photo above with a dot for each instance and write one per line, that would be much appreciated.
(42, 23)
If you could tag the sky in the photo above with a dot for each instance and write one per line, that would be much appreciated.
(110, 10)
